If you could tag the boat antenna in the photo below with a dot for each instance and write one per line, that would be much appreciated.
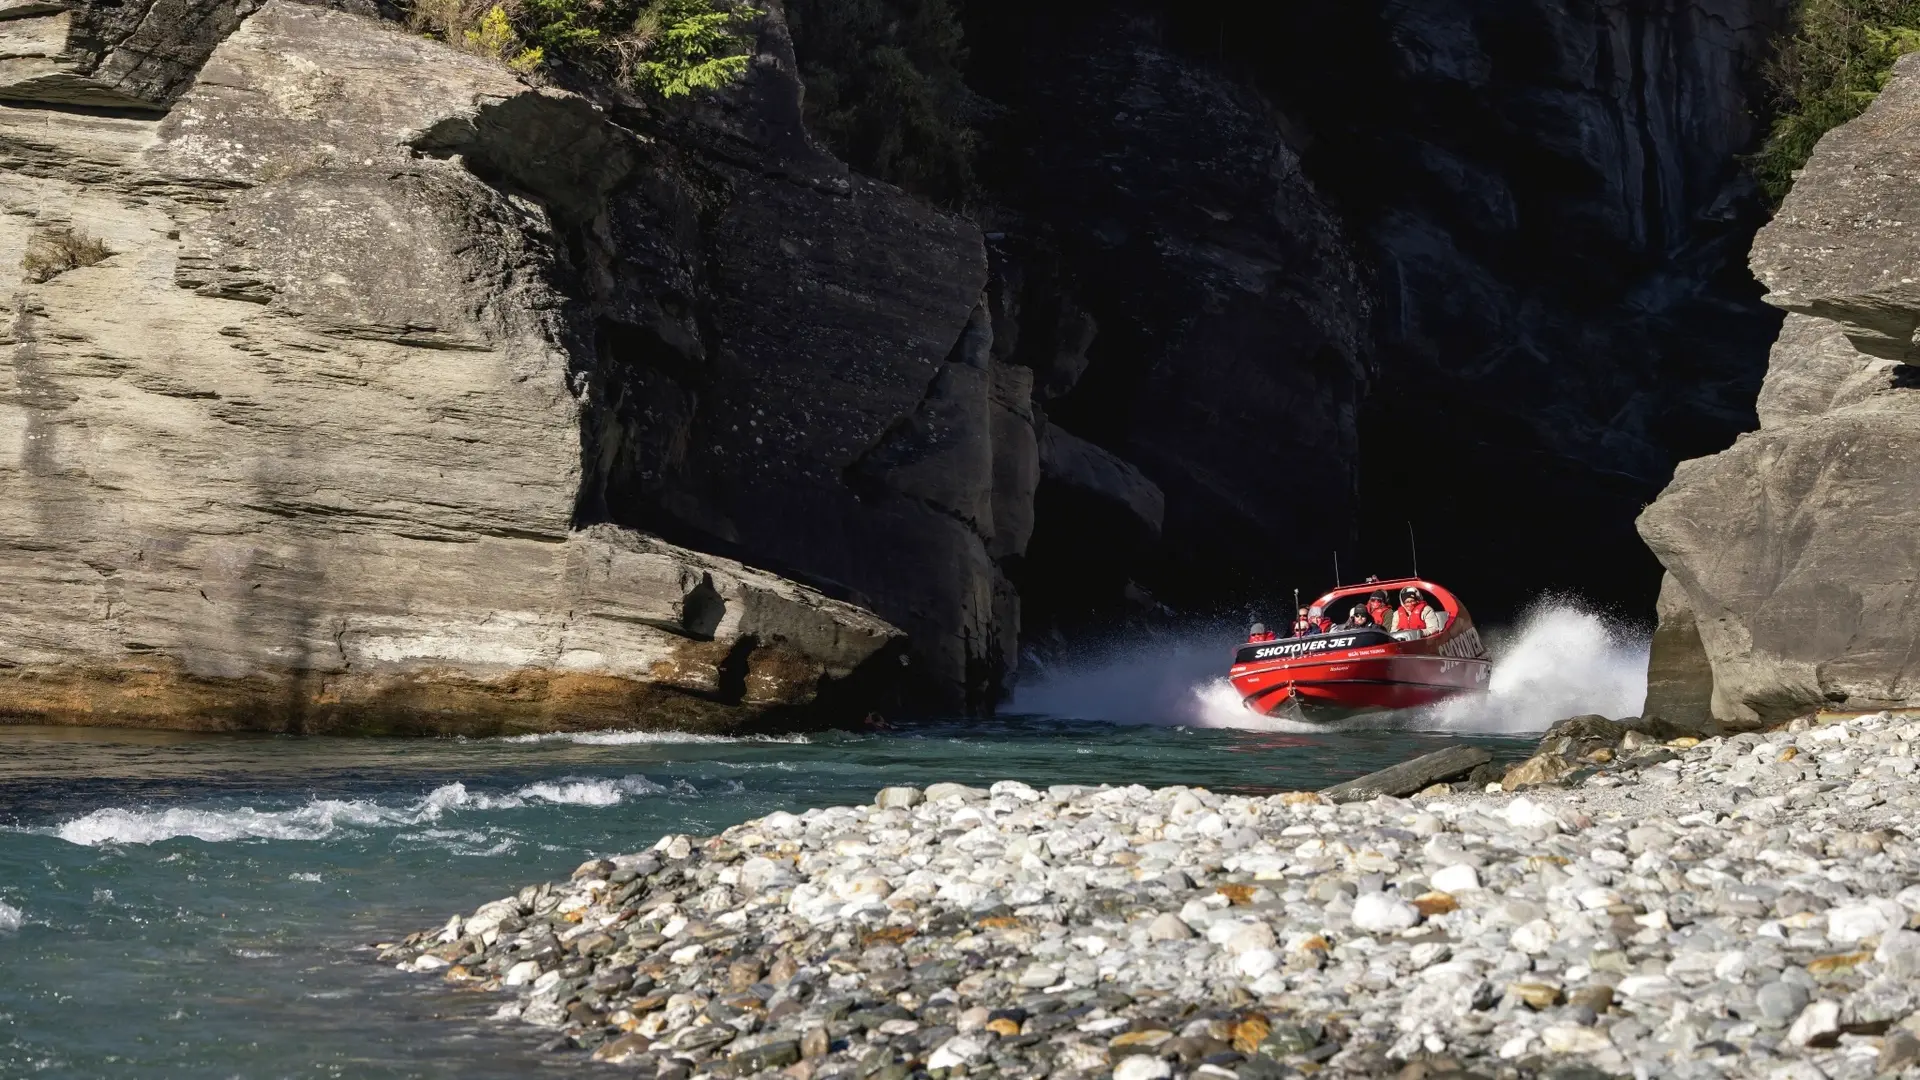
(1336, 569)
(1414, 548)
(1296, 598)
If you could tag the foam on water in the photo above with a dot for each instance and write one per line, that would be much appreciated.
(1561, 661)
(10, 917)
(319, 819)
(613, 737)
(1157, 680)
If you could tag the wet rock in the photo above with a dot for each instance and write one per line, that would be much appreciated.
(897, 797)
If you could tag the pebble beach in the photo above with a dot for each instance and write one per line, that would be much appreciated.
(1724, 907)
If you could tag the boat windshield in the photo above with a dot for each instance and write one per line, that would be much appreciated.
(1341, 608)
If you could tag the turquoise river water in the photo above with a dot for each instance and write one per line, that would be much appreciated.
(199, 906)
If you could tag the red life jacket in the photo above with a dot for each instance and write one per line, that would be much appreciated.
(1415, 617)
(1321, 625)
(1380, 612)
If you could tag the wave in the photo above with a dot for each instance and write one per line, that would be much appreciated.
(1158, 680)
(11, 918)
(320, 819)
(613, 737)
(1561, 661)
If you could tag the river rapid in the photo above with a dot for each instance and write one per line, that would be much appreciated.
(199, 906)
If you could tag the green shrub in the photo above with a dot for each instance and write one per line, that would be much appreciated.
(668, 47)
(1838, 57)
(885, 89)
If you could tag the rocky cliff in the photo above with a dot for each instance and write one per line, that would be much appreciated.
(305, 293)
(1792, 554)
(300, 384)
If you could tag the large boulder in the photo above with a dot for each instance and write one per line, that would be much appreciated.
(294, 416)
(1679, 675)
(1795, 548)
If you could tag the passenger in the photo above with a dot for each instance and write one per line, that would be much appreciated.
(1415, 618)
(1379, 610)
(1259, 632)
(1302, 626)
(1357, 619)
(1318, 617)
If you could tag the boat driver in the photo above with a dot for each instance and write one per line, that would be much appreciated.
(1415, 618)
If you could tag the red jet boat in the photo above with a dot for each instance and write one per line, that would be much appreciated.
(1347, 671)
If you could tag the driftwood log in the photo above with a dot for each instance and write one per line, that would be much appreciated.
(1411, 776)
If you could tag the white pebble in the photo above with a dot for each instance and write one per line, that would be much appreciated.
(1456, 878)
(1139, 1067)
(1379, 913)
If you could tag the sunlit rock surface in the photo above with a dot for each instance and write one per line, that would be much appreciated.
(1796, 548)
(304, 451)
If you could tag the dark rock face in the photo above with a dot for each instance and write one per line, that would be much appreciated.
(795, 366)
(1795, 547)
(1480, 263)
(1186, 296)
(1553, 199)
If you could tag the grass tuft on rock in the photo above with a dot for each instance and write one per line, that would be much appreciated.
(1826, 72)
(666, 47)
(54, 251)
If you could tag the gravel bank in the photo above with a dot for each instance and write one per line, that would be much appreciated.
(1734, 908)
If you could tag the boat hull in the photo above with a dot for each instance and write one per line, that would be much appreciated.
(1363, 669)
(1334, 687)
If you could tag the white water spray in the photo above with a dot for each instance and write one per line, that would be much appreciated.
(1563, 660)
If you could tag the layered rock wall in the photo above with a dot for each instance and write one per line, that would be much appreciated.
(1796, 548)
(304, 450)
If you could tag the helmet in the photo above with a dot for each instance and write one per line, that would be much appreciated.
(1409, 593)
(1258, 628)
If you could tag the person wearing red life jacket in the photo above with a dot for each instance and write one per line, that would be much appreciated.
(1259, 632)
(1318, 617)
(1415, 618)
(1380, 611)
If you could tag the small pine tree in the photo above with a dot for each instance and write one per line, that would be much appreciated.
(693, 47)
